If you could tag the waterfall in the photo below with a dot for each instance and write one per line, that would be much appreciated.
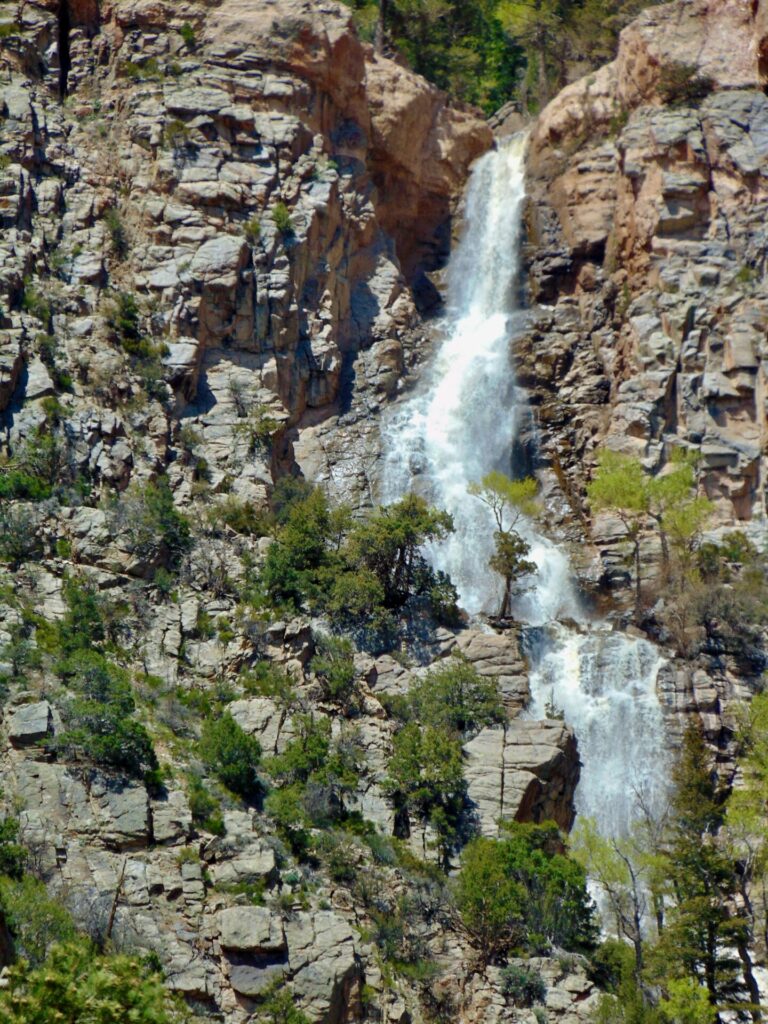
(604, 683)
(461, 424)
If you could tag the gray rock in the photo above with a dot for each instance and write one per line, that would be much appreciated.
(31, 723)
(251, 929)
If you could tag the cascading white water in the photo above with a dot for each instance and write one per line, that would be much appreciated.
(604, 683)
(459, 426)
(463, 423)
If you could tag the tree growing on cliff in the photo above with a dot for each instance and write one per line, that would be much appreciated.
(701, 931)
(523, 891)
(426, 780)
(389, 544)
(666, 502)
(77, 984)
(358, 571)
(509, 501)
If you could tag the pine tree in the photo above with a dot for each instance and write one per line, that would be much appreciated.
(701, 929)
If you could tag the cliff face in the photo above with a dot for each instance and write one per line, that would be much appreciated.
(646, 219)
(218, 226)
(648, 188)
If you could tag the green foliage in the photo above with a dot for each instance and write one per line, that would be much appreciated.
(269, 680)
(278, 1006)
(426, 778)
(490, 899)
(304, 755)
(619, 484)
(700, 931)
(204, 627)
(696, 863)
(358, 571)
(123, 320)
(522, 984)
(146, 71)
(19, 535)
(388, 544)
(35, 303)
(82, 626)
(628, 870)
(687, 1002)
(747, 804)
(242, 517)
(281, 216)
(75, 985)
(681, 85)
(510, 561)
(258, 430)
(509, 500)
(187, 33)
(628, 1005)
(288, 492)
(294, 562)
(175, 134)
(747, 275)
(667, 501)
(99, 728)
(9, 28)
(338, 855)
(313, 775)
(454, 697)
(13, 855)
(460, 45)
(232, 755)
(118, 238)
(151, 526)
(37, 467)
(335, 667)
(36, 921)
(252, 231)
(522, 892)
(449, 704)
(20, 653)
(490, 51)
(205, 808)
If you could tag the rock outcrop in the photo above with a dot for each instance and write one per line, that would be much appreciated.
(648, 195)
(646, 221)
(217, 228)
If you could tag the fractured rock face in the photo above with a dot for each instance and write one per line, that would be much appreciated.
(647, 223)
(522, 771)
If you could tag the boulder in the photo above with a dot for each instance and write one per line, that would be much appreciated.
(523, 771)
(30, 723)
(251, 930)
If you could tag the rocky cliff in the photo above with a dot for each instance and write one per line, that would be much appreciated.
(219, 232)
(646, 230)
(217, 226)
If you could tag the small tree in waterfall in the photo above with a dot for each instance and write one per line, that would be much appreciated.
(508, 500)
